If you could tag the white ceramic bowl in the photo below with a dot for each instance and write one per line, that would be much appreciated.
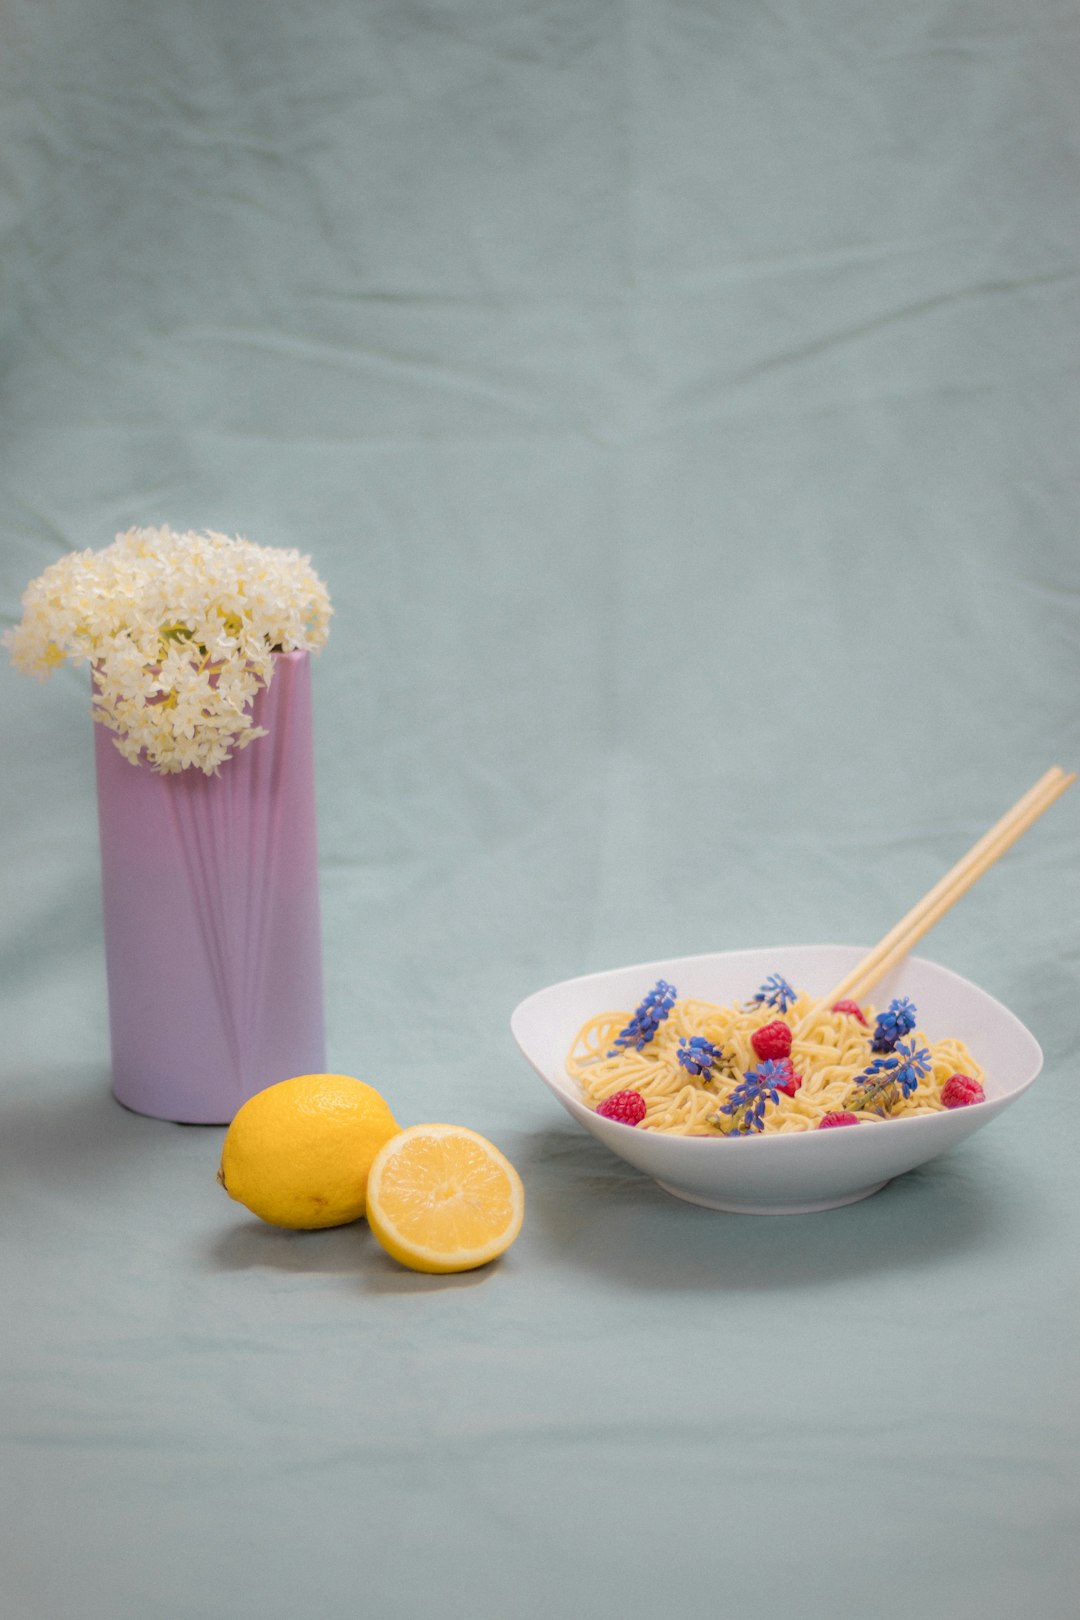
(792, 1173)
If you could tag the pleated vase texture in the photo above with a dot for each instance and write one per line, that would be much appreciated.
(210, 892)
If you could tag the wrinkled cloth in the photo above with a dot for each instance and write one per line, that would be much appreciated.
(680, 402)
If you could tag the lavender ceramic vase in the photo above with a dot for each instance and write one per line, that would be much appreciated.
(211, 906)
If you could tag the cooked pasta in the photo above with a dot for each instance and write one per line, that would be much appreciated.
(697, 1071)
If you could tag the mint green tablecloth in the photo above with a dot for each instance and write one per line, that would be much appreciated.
(681, 403)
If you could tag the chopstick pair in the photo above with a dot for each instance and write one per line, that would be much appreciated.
(947, 891)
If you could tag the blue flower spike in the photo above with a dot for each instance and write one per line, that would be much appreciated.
(904, 1067)
(697, 1056)
(776, 992)
(648, 1017)
(892, 1025)
(745, 1108)
(915, 1063)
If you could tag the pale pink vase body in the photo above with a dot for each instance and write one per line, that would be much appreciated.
(211, 903)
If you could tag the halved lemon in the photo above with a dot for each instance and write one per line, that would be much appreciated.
(442, 1198)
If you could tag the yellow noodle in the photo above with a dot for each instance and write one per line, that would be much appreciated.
(831, 1052)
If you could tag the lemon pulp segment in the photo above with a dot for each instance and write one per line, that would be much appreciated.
(442, 1198)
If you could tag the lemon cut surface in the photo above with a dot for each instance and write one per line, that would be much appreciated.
(299, 1153)
(441, 1198)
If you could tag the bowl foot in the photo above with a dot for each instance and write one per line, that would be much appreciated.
(732, 1208)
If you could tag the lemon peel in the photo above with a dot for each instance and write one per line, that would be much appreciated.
(298, 1154)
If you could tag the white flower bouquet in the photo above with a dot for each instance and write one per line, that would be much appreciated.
(180, 631)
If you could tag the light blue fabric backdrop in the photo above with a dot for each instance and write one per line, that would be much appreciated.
(680, 401)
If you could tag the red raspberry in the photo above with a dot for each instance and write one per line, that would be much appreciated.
(852, 1009)
(628, 1107)
(772, 1040)
(827, 1121)
(959, 1091)
(793, 1080)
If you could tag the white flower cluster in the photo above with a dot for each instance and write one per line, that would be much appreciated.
(180, 631)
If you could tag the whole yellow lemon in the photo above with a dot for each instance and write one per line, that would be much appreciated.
(298, 1154)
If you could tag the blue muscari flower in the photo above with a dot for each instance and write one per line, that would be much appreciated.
(648, 1017)
(904, 1067)
(697, 1055)
(758, 1086)
(776, 992)
(915, 1062)
(898, 1020)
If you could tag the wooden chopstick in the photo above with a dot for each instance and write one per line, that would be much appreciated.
(948, 890)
